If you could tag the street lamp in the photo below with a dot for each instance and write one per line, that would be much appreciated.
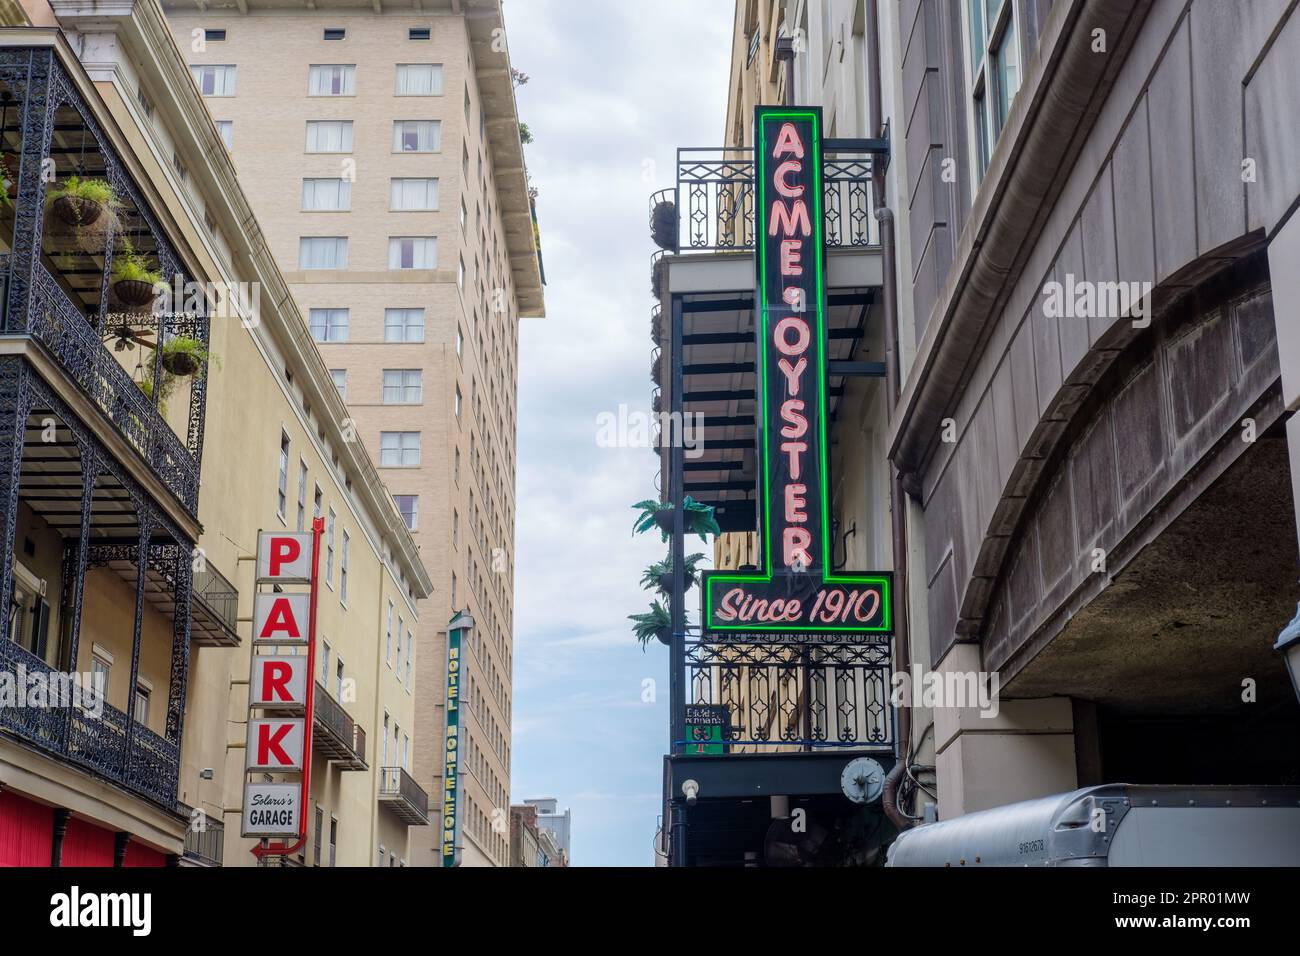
(1288, 645)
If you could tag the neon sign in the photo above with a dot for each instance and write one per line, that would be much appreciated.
(797, 591)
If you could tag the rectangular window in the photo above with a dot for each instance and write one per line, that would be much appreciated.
(340, 378)
(410, 639)
(388, 656)
(408, 506)
(325, 663)
(413, 252)
(142, 704)
(343, 569)
(418, 33)
(994, 47)
(399, 449)
(329, 325)
(302, 496)
(227, 130)
(329, 136)
(214, 80)
(413, 195)
(403, 386)
(332, 79)
(214, 36)
(419, 79)
(282, 485)
(416, 136)
(329, 547)
(323, 252)
(335, 33)
(334, 838)
(326, 195)
(456, 408)
(403, 325)
(460, 274)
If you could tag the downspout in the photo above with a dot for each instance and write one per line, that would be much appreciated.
(893, 376)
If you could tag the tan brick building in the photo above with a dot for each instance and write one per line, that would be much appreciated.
(382, 156)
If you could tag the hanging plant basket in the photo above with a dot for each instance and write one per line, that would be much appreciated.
(663, 225)
(135, 293)
(182, 364)
(77, 211)
(664, 636)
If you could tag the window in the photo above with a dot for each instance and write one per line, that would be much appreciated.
(413, 195)
(214, 36)
(334, 837)
(458, 400)
(332, 79)
(329, 547)
(214, 80)
(460, 342)
(467, 106)
(417, 33)
(282, 485)
(413, 252)
(317, 503)
(388, 656)
(302, 495)
(227, 130)
(326, 195)
(403, 386)
(325, 663)
(343, 570)
(994, 49)
(460, 274)
(329, 325)
(329, 136)
(338, 679)
(101, 665)
(410, 639)
(409, 508)
(399, 449)
(335, 33)
(419, 79)
(340, 378)
(464, 213)
(416, 136)
(142, 690)
(403, 325)
(323, 252)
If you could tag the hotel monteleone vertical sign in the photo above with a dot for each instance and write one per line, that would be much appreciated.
(460, 623)
(796, 593)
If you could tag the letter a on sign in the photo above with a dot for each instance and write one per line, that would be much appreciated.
(280, 618)
(274, 745)
(284, 558)
(278, 683)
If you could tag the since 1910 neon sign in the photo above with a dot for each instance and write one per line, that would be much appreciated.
(796, 592)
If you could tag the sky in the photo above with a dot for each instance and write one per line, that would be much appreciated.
(615, 86)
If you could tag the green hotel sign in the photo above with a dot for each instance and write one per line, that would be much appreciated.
(456, 629)
(796, 593)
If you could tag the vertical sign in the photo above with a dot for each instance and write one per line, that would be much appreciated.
(797, 591)
(461, 623)
(280, 688)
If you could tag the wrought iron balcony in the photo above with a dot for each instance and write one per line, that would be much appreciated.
(711, 209)
(407, 800)
(335, 734)
(204, 846)
(215, 609)
(145, 763)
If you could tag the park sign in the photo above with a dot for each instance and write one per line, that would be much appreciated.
(796, 592)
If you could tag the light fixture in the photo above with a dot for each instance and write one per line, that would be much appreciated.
(690, 790)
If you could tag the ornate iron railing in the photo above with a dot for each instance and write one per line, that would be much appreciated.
(204, 841)
(407, 798)
(753, 697)
(96, 741)
(714, 201)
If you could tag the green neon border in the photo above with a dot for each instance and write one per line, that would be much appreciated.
(884, 581)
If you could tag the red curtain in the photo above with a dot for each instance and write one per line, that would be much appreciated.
(137, 854)
(86, 845)
(26, 831)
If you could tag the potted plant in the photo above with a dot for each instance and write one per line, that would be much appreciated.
(133, 280)
(655, 624)
(697, 518)
(660, 574)
(183, 356)
(9, 163)
(165, 386)
(81, 202)
(663, 221)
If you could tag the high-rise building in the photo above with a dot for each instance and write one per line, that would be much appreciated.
(559, 823)
(383, 157)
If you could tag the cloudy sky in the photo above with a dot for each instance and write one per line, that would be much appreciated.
(615, 86)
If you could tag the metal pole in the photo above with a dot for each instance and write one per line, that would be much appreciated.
(679, 832)
(677, 599)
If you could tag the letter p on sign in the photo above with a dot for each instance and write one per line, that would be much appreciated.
(284, 558)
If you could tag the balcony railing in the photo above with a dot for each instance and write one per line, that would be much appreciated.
(204, 842)
(337, 735)
(407, 800)
(148, 767)
(712, 207)
(215, 609)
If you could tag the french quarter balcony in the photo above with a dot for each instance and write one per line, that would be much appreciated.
(100, 439)
(336, 735)
(203, 843)
(405, 798)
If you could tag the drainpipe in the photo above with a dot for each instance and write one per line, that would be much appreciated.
(785, 54)
(893, 376)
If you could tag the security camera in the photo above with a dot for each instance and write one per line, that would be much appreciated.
(207, 773)
(691, 790)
